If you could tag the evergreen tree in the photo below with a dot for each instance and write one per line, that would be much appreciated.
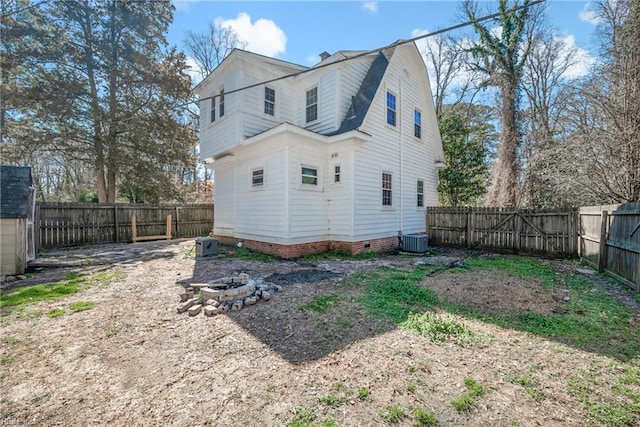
(105, 89)
(463, 181)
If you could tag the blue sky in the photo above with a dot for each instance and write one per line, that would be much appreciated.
(298, 31)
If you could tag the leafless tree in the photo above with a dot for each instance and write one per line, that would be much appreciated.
(547, 92)
(210, 47)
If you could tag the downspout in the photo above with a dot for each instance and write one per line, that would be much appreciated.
(401, 158)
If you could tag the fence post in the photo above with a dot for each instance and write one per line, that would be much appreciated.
(469, 229)
(116, 224)
(36, 229)
(602, 252)
(134, 226)
(177, 222)
(516, 232)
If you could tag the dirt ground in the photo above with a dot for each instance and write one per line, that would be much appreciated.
(133, 360)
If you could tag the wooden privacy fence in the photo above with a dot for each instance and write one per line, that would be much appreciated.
(67, 224)
(549, 232)
(610, 240)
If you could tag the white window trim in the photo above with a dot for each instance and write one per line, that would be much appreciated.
(420, 208)
(222, 103)
(333, 174)
(421, 125)
(307, 186)
(257, 187)
(275, 102)
(382, 205)
(317, 88)
(392, 92)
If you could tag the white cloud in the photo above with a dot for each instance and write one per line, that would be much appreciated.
(181, 5)
(589, 15)
(583, 60)
(263, 36)
(370, 6)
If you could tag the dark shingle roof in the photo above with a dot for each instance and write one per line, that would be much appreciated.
(14, 191)
(362, 100)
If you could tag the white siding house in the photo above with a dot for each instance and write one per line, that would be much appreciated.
(342, 155)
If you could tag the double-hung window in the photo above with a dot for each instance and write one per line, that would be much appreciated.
(257, 177)
(391, 109)
(417, 124)
(420, 193)
(213, 109)
(269, 101)
(387, 185)
(312, 104)
(336, 173)
(309, 175)
(221, 102)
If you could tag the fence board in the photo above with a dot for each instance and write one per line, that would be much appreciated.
(612, 245)
(548, 232)
(69, 224)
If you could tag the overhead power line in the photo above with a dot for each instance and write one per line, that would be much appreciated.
(369, 52)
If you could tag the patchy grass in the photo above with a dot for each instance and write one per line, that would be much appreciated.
(249, 255)
(29, 294)
(55, 312)
(364, 393)
(530, 386)
(305, 417)
(425, 418)
(79, 306)
(320, 304)
(593, 321)
(610, 393)
(7, 359)
(517, 266)
(438, 328)
(393, 294)
(334, 255)
(10, 340)
(70, 284)
(467, 401)
(393, 414)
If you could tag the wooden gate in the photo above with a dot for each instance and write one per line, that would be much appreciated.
(610, 240)
(549, 232)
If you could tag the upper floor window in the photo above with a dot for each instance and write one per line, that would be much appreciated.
(257, 177)
(420, 193)
(336, 173)
(391, 109)
(269, 101)
(309, 175)
(221, 102)
(213, 109)
(417, 124)
(386, 189)
(312, 104)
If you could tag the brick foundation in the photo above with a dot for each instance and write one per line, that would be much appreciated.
(386, 244)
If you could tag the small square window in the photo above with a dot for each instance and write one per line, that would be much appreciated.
(312, 105)
(336, 173)
(391, 109)
(417, 124)
(387, 186)
(420, 193)
(309, 175)
(257, 178)
(269, 101)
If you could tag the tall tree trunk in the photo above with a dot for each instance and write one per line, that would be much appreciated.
(503, 191)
